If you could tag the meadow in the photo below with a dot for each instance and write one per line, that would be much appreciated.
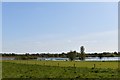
(59, 69)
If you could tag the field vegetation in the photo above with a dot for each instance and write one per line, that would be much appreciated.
(59, 69)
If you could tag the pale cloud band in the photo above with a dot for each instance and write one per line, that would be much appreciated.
(95, 42)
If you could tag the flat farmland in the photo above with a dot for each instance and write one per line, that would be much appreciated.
(88, 64)
(59, 69)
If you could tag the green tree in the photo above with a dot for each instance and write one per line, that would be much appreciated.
(101, 55)
(82, 51)
(71, 55)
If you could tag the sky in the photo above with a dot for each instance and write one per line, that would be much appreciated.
(57, 27)
(0, 27)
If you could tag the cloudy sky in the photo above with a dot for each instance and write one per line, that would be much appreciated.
(59, 26)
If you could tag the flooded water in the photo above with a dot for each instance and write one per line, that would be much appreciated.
(54, 59)
(102, 59)
(86, 59)
(7, 58)
(66, 59)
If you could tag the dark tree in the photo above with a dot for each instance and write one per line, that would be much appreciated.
(27, 54)
(116, 53)
(82, 51)
(71, 55)
(101, 55)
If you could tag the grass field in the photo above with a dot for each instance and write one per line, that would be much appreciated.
(59, 69)
(88, 64)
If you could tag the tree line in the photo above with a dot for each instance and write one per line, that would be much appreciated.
(72, 55)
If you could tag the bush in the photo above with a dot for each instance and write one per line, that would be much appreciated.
(72, 55)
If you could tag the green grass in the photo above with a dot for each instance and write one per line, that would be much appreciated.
(65, 69)
(88, 64)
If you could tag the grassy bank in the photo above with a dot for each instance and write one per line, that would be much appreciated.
(51, 69)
